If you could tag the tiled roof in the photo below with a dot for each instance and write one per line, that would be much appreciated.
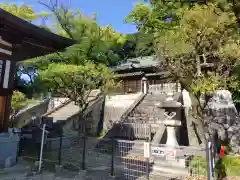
(140, 62)
(130, 74)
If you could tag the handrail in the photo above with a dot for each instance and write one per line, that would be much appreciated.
(132, 107)
(57, 108)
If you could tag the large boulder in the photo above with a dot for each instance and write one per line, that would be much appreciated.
(222, 117)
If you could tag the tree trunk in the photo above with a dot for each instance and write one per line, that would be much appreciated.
(236, 10)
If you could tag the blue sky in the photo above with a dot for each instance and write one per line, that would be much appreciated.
(108, 11)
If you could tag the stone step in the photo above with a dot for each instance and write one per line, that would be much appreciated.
(155, 98)
(144, 109)
(139, 115)
(179, 163)
(137, 119)
(166, 169)
(158, 175)
(148, 104)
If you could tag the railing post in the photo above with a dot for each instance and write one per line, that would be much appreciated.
(150, 132)
(84, 153)
(147, 151)
(113, 157)
(60, 151)
(209, 160)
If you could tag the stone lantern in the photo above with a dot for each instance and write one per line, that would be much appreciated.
(172, 120)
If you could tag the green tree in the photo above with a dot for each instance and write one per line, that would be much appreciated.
(199, 42)
(83, 84)
(92, 41)
(19, 101)
(23, 11)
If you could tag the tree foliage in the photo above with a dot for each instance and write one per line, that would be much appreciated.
(93, 42)
(194, 31)
(19, 101)
(23, 11)
(199, 42)
(78, 83)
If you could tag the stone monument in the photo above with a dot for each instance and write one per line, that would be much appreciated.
(222, 117)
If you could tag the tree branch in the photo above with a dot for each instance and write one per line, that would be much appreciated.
(64, 23)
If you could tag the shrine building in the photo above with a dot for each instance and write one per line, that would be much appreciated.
(20, 40)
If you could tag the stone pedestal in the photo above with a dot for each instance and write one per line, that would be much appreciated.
(8, 149)
(171, 136)
(172, 126)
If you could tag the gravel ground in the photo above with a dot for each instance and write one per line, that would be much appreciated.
(91, 175)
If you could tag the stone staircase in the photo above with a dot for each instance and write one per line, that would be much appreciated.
(146, 111)
(64, 112)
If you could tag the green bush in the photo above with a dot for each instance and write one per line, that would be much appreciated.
(227, 166)
(198, 165)
(231, 165)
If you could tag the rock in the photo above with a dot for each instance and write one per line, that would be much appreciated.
(235, 150)
(10, 161)
(223, 117)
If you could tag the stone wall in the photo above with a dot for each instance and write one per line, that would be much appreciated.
(115, 107)
(93, 118)
(25, 116)
(192, 134)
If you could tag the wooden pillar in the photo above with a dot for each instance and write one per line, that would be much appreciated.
(144, 85)
(2, 111)
(7, 69)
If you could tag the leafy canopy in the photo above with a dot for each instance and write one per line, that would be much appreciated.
(19, 101)
(23, 11)
(185, 33)
(93, 42)
(78, 83)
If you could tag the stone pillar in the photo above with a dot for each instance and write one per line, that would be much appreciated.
(172, 136)
(172, 126)
(144, 85)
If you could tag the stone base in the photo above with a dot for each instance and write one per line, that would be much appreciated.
(82, 174)
(58, 169)
(29, 172)
(9, 162)
(112, 177)
(8, 149)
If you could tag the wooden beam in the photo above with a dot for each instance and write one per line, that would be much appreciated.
(5, 42)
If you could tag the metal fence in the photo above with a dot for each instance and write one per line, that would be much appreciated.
(131, 131)
(123, 159)
(164, 88)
